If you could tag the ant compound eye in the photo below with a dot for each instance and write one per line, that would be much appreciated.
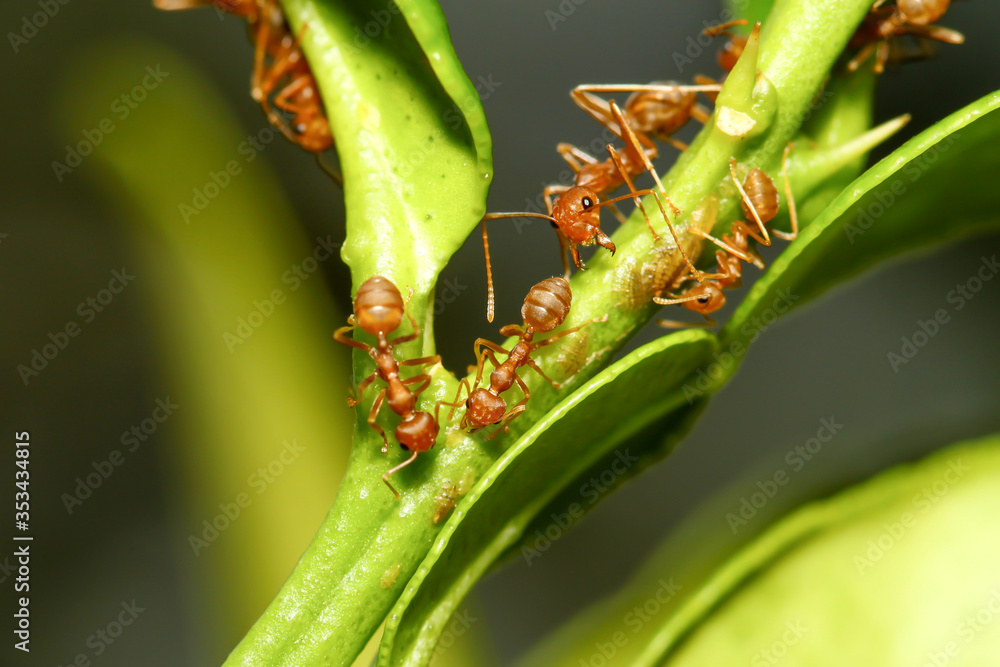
(588, 203)
(704, 299)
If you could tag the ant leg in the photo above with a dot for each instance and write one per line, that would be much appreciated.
(481, 355)
(457, 403)
(330, 171)
(766, 240)
(792, 213)
(881, 56)
(338, 336)
(702, 80)
(530, 363)
(424, 378)
(862, 56)
(575, 156)
(735, 252)
(376, 406)
(553, 338)
(392, 471)
(937, 33)
(595, 107)
(422, 361)
(514, 411)
(413, 322)
(701, 114)
(361, 390)
(511, 330)
(620, 166)
(260, 51)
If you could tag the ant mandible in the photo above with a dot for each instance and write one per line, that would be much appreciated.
(545, 307)
(378, 310)
(759, 200)
(913, 17)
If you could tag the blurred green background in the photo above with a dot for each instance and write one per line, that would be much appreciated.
(163, 335)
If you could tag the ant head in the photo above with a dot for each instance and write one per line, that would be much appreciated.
(547, 304)
(418, 433)
(731, 52)
(484, 408)
(578, 215)
(378, 306)
(660, 112)
(709, 299)
(315, 135)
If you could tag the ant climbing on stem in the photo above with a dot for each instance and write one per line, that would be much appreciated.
(906, 17)
(545, 307)
(378, 310)
(281, 71)
(759, 200)
(574, 214)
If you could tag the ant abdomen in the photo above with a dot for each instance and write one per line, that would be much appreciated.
(763, 195)
(547, 304)
(378, 306)
(661, 112)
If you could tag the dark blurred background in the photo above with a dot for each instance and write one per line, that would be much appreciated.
(129, 541)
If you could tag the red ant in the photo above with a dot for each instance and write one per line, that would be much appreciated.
(279, 65)
(759, 200)
(655, 110)
(299, 96)
(733, 48)
(378, 310)
(545, 307)
(575, 214)
(913, 17)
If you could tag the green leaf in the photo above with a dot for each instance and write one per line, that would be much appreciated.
(934, 188)
(629, 395)
(892, 572)
(410, 132)
(414, 151)
(884, 573)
